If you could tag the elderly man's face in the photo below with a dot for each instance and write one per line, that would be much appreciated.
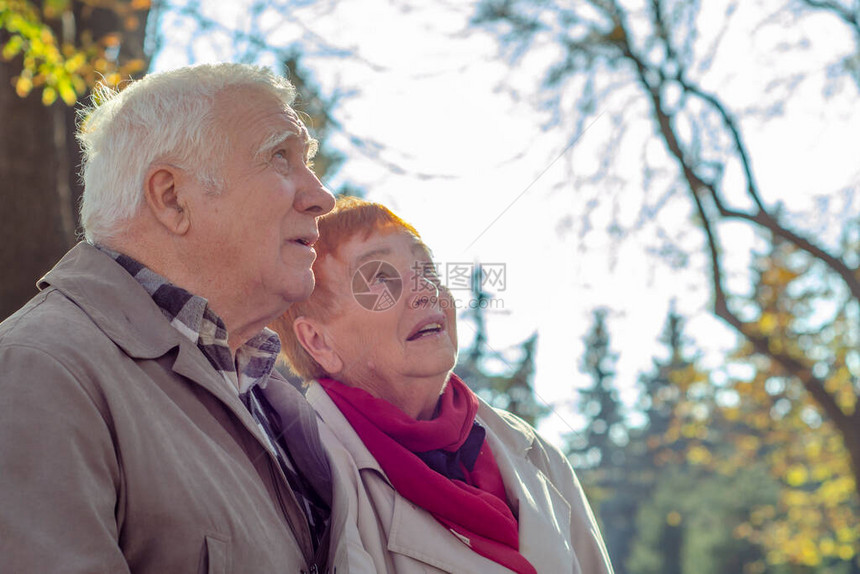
(393, 326)
(256, 234)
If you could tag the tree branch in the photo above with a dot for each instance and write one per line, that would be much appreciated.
(841, 12)
(762, 344)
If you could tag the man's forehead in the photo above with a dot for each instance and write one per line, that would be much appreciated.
(246, 106)
(279, 132)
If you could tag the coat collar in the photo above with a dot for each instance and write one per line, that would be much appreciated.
(511, 431)
(125, 312)
(543, 514)
(114, 301)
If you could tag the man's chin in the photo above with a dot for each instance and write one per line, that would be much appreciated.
(300, 291)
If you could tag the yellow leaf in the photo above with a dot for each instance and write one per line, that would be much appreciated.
(796, 475)
(767, 322)
(49, 95)
(23, 86)
(67, 92)
(12, 47)
(699, 455)
(134, 66)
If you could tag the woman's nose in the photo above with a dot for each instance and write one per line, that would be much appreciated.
(425, 292)
(430, 285)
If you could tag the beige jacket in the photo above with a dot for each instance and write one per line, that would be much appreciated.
(387, 533)
(122, 450)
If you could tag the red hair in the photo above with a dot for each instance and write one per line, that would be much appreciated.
(350, 217)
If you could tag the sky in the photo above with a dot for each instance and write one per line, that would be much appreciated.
(461, 151)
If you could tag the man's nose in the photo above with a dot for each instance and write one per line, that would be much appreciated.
(313, 197)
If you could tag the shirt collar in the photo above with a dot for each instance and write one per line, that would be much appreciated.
(191, 315)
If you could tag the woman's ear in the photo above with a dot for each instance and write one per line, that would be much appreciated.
(312, 336)
(164, 198)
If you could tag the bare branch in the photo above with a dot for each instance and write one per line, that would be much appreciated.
(841, 12)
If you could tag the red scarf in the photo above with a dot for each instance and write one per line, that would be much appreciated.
(476, 510)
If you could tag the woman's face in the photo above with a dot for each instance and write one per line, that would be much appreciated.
(393, 327)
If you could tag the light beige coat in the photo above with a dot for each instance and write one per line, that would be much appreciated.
(387, 533)
(123, 451)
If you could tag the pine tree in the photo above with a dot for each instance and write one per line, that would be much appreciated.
(599, 452)
(600, 444)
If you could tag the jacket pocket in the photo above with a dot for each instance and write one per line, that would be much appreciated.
(216, 556)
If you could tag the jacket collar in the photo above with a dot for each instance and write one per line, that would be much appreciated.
(501, 423)
(341, 428)
(125, 312)
(114, 301)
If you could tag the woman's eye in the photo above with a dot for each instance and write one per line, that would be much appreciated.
(381, 278)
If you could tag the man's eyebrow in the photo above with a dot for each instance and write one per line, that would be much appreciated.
(278, 138)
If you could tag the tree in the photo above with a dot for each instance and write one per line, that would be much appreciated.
(600, 452)
(778, 423)
(599, 444)
(689, 523)
(51, 49)
(662, 388)
(651, 63)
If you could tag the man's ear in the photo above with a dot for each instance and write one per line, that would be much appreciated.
(164, 197)
(312, 337)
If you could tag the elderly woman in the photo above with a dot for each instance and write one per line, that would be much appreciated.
(435, 479)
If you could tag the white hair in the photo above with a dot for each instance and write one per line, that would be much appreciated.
(166, 117)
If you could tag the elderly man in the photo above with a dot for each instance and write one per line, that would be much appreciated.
(142, 427)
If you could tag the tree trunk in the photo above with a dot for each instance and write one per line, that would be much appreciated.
(37, 189)
(39, 163)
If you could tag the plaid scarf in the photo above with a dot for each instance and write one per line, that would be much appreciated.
(248, 374)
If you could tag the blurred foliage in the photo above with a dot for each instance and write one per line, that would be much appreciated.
(817, 517)
(721, 477)
(61, 51)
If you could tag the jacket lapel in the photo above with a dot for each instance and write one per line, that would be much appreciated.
(300, 432)
(542, 512)
(332, 416)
